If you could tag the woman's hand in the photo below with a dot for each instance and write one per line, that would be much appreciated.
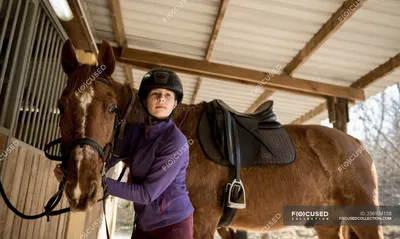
(58, 173)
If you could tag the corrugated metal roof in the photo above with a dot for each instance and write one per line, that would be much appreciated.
(98, 15)
(264, 34)
(259, 35)
(169, 26)
(368, 39)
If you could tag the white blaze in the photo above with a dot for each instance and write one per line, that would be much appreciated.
(85, 98)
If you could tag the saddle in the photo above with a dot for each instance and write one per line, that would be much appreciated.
(237, 140)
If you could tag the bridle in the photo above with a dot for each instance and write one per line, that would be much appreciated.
(105, 154)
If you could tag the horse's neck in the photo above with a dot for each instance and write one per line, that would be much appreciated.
(186, 117)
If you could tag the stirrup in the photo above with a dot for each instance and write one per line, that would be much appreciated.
(239, 185)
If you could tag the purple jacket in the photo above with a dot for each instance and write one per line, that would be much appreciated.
(158, 156)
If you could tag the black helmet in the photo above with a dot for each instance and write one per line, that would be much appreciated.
(160, 78)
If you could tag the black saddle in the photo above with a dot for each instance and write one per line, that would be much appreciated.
(236, 140)
(260, 139)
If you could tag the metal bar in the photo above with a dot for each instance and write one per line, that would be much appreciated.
(30, 107)
(53, 97)
(2, 36)
(56, 130)
(54, 61)
(7, 56)
(53, 118)
(32, 73)
(42, 81)
(15, 77)
(33, 20)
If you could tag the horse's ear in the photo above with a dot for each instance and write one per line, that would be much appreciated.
(68, 58)
(106, 57)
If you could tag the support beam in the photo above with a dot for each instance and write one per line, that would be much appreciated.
(338, 113)
(119, 32)
(196, 91)
(118, 25)
(374, 75)
(261, 99)
(330, 27)
(129, 76)
(378, 73)
(213, 39)
(237, 74)
(78, 29)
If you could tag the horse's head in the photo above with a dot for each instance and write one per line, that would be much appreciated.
(88, 107)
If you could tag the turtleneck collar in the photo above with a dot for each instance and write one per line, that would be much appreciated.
(153, 131)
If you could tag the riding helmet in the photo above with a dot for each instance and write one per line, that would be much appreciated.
(160, 78)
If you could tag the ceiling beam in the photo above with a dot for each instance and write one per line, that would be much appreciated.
(196, 90)
(118, 25)
(149, 59)
(363, 82)
(330, 27)
(119, 32)
(378, 73)
(261, 99)
(78, 29)
(213, 39)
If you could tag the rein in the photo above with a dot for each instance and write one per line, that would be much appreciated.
(104, 152)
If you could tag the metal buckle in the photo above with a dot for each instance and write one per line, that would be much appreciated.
(239, 184)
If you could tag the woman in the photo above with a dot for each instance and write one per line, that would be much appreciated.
(158, 155)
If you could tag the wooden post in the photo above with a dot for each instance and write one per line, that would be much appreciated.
(338, 112)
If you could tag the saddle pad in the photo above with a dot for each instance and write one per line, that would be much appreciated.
(260, 146)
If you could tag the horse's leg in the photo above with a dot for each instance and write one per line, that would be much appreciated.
(327, 232)
(204, 224)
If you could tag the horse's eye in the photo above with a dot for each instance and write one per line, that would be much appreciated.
(112, 109)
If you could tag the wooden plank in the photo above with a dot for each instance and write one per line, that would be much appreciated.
(118, 25)
(20, 154)
(31, 156)
(36, 208)
(310, 114)
(378, 73)
(3, 140)
(49, 190)
(42, 194)
(51, 227)
(261, 99)
(218, 22)
(235, 74)
(26, 176)
(63, 218)
(10, 164)
(329, 28)
(196, 90)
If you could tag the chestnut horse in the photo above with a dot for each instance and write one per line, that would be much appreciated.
(88, 111)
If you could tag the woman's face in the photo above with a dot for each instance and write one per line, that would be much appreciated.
(161, 102)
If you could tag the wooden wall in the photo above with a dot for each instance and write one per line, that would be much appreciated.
(29, 182)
